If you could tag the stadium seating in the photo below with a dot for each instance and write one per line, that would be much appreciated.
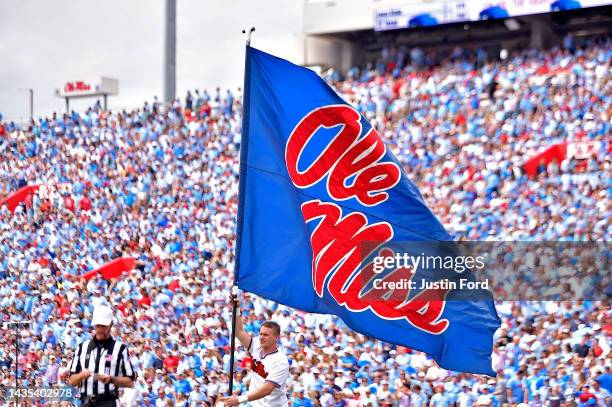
(161, 187)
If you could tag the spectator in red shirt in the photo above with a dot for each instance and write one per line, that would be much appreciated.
(171, 362)
(85, 203)
(64, 309)
(205, 110)
(69, 203)
(586, 395)
(145, 299)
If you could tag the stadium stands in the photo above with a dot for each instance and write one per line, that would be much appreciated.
(161, 187)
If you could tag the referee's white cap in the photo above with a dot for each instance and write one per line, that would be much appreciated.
(102, 315)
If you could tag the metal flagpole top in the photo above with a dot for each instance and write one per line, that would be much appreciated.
(250, 31)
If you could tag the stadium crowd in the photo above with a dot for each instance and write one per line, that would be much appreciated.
(161, 185)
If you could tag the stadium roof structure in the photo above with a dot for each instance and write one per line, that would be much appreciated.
(345, 33)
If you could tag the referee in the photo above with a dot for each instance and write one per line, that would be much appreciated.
(101, 365)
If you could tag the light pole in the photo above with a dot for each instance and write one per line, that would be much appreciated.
(30, 101)
(170, 53)
(16, 325)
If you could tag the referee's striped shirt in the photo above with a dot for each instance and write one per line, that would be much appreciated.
(101, 357)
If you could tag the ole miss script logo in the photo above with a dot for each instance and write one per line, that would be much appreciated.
(352, 166)
(258, 368)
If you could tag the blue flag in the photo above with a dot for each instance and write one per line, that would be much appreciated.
(324, 204)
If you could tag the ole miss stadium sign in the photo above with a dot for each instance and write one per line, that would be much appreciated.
(77, 86)
(82, 88)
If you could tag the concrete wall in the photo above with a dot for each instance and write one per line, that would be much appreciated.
(327, 52)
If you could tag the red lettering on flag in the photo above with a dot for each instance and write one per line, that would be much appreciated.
(335, 241)
(337, 244)
(346, 156)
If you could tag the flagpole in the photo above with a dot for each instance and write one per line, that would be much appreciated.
(244, 145)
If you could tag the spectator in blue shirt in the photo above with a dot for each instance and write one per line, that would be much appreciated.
(300, 400)
(517, 388)
(182, 385)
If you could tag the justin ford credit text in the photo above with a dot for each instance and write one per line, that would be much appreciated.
(458, 264)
